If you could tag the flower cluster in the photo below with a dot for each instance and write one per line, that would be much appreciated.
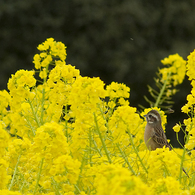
(175, 70)
(188, 108)
(70, 134)
(167, 79)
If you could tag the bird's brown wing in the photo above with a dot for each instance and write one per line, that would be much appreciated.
(160, 138)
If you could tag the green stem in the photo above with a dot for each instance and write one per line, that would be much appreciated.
(34, 114)
(136, 151)
(42, 104)
(126, 159)
(102, 140)
(97, 149)
(39, 175)
(90, 146)
(14, 174)
(43, 96)
(178, 140)
(162, 90)
(56, 187)
(83, 162)
(66, 124)
(181, 165)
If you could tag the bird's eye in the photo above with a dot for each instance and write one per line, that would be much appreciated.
(151, 117)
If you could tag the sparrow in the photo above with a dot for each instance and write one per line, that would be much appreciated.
(154, 135)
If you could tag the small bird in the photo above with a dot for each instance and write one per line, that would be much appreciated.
(154, 135)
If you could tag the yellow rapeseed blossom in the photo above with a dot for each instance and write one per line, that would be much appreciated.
(65, 170)
(162, 162)
(8, 192)
(176, 128)
(175, 70)
(124, 120)
(50, 139)
(22, 78)
(4, 177)
(56, 49)
(75, 135)
(168, 185)
(190, 73)
(117, 90)
(114, 179)
(190, 65)
(5, 101)
(4, 138)
(190, 128)
(60, 83)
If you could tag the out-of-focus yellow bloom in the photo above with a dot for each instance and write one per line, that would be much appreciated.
(114, 179)
(190, 65)
(185, 108)
(176, 69)
(168, 185)
(190, 73)
(50, 139)
(55, 49)
(4, 138)
(5, 101)
(4, 177)
(8, 192)
(123, 102)
(190, 128)
(162, 162)
(124, 120)
(176, 128)
(117, 90)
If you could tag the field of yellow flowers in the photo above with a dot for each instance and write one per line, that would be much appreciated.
(65, 134)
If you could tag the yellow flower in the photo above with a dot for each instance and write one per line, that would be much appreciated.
(8, 192)
(37, 60)
(190, 145)
(117, 90)
(4, 137)
(175, 72)
(115, 179)
(55, 49)
(123, 123)
(124, 102)
(50, 139)
(185, 108)
(43, 73)
(80, 137)
(5, 101)
(190, 65)
(176, 128)
(45, 45)
(168, 185)
(162, 162)
(4, 177)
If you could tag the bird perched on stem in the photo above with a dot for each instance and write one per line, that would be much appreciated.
(154, 135)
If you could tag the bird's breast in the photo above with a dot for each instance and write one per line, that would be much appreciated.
(149, 133)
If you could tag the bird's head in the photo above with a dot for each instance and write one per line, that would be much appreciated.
(153, 117)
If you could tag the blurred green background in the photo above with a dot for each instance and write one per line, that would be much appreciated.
(118, 40)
